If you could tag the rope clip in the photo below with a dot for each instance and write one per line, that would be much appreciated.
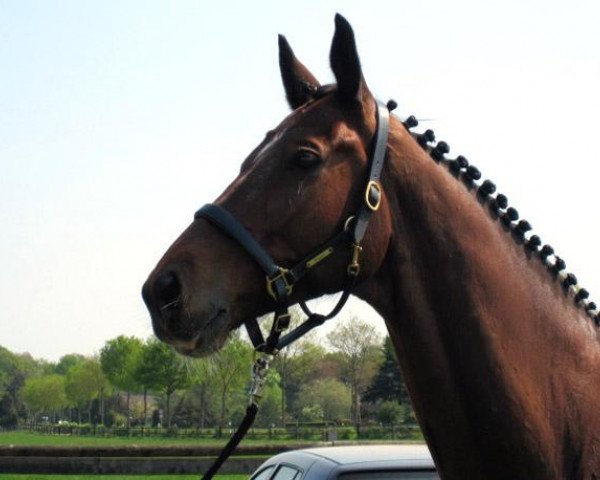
(260, 368)
(354, 266)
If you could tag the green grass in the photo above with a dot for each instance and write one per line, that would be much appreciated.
(36, 476)
(30, 439)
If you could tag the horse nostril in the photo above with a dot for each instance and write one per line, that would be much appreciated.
(167, 291)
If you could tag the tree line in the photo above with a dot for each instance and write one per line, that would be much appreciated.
(352, 378)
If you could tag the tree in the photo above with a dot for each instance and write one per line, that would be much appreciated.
(162, 370)
(6, 365)
(390, 412)
(296, 364)
(44, 394)
(269, 402)
(312, 414)
(17, 368)
(198, 404)
(85, 382)
(329, 394)
(388, 384)
(119, 358)
(356, 342)
(14, 369)
(144, 374)
(228, 370)
(68, 361)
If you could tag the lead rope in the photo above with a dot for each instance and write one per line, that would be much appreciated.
(259, 376)
(280, 281)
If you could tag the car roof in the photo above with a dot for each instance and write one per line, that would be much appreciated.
(324, 461)
(373, 453)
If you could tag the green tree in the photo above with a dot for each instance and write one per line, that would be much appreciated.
(14, 369)
(357, 343)
(68, 361)
(297, 364)
(162, 370)
(269, 402)
(390, 412)
(85, 382)
(312, 413)
(143, 374)
(388, 384)
(119, 359)
(227, 370)
(44, 394)
(331, 396)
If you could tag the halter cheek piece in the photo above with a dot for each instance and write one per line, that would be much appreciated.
(280, 281)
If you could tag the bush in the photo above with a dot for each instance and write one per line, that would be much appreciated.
(390, 413)
(346, 433)
(313, 413)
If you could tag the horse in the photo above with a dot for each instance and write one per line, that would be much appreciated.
(497, 343)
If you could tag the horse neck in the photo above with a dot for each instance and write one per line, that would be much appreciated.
(490, 345)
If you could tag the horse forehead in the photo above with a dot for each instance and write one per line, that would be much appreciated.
(317, 122)
(316, 115)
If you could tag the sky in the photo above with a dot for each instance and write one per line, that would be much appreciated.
(118, 119)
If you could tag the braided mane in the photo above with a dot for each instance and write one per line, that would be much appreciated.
(498, 206)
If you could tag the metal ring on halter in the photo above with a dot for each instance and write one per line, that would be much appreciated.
(373, 185)
(347, 222)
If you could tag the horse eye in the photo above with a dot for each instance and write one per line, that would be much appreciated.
(305, 158)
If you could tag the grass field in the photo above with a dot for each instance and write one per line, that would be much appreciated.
(36, 439)
(30, 439)
(14, 476)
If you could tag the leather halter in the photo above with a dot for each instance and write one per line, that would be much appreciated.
(280, 281)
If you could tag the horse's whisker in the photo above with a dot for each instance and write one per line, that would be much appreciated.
(172, 304)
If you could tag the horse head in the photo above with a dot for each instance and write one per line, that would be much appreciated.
(295, 190)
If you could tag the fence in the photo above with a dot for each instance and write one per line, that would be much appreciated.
(300, 432)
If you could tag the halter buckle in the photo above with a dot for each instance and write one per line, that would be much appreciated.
(281, 276)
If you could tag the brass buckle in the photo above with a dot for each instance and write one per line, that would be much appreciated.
(354, 267)
(282, 274)
(376, 186)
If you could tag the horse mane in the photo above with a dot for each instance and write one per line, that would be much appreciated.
(497, 203)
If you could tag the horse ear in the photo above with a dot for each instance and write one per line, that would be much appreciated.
(298, 82)
(345, 63)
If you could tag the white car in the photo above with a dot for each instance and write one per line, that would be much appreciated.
(357, 462)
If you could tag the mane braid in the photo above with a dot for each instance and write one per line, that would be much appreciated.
(497, 204)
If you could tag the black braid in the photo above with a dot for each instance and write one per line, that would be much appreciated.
(508, 216)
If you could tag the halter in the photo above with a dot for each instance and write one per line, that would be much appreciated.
(280, 281)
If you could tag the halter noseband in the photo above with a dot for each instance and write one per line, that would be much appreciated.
(280, 281)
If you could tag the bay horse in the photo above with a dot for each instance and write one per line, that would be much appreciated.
(498, 345)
